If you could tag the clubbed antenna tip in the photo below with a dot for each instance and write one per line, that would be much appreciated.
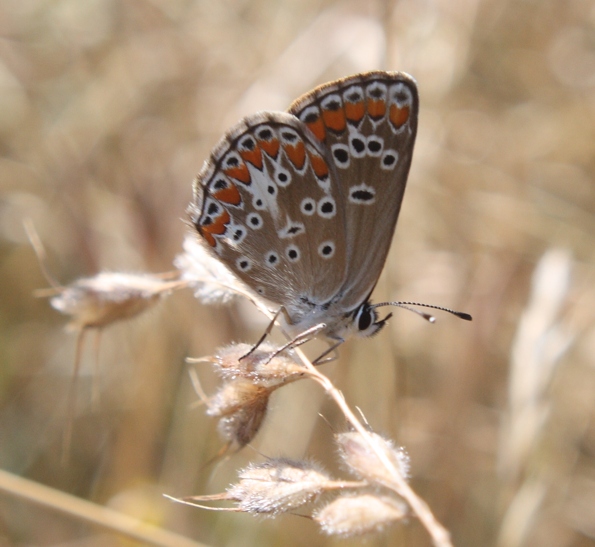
(426, 316)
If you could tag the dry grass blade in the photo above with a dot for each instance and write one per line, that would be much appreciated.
(540, 342)
(99, 516)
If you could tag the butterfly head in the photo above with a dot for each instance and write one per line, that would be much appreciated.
(365, 322)
(337, 324)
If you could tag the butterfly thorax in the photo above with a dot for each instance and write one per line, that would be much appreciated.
(337, 323)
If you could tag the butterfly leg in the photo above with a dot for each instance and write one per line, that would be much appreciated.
(300, 339)
(265, 333)
(322, 358)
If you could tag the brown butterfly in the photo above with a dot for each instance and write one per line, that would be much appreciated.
(302, 206)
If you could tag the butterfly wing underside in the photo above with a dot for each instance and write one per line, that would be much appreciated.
(302, 206)
(367, 124)
(263, 205)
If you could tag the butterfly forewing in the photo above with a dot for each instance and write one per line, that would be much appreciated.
(264, 205)
(367, 126)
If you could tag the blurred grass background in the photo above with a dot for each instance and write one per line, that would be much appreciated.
(107, 111)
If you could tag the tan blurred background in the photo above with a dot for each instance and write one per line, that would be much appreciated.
(107, 111)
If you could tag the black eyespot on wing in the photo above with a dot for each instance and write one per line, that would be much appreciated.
(376, 93)
(265, 134)
(254, 220)
(341, 155)
(358, 145)
(308, 206)
(374, 146)
(311, 117)
(272, 258)
(289, 136)
(327, 207)
(362, 195)
(243, 264)
(326, 249)
(239, 234)
(248, 143)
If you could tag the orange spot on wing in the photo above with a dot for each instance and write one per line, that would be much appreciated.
(253, 156)
(208, 237)
(229, 195)
(376, 108)
(319, 165)
(317, 127)
(398, 116)
(217, 226)
(334, 119)
(354, 111)
(296, 154)
(240, 173)
(270, 147)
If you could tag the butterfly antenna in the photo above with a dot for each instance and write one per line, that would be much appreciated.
(426, 316)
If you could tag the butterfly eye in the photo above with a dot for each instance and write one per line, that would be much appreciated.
(366, 320)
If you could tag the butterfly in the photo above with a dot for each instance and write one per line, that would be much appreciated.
(302, 205)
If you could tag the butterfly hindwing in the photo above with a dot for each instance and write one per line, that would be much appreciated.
(263, 205)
